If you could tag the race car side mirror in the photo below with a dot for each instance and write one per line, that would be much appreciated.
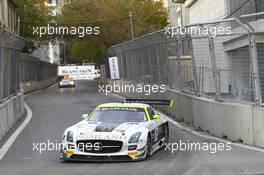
(85, 116)
(156, 116)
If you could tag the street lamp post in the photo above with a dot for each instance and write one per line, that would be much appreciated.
(131, 25)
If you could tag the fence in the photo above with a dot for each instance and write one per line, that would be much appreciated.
(215, 59)
(17, 67)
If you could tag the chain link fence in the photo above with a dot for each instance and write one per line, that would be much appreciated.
(17, 67)
(215, 60)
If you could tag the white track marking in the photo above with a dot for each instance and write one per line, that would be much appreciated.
(210, 136)
(15, 134)
(200, 134)
(118, 96)
(13, 137)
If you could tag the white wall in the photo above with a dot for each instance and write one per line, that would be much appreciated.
(206, 10)
(174, 13)
(174, 9)
(54, 52)
(48, 52)
(42, 53)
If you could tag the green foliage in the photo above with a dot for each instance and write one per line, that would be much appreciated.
(112, 16)
(32, 14)
(29, 48)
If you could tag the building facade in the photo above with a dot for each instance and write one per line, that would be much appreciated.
(51, 51)
(232, 51)
(56, 5)
(174, 10)
(8, 17)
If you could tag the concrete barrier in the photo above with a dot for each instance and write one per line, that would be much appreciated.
(230, 120)
(258, 127)
(11, 111)
(3, 121)
(37, 85)
(234, 121)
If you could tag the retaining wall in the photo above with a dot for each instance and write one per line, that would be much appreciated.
(10, 112)
(234, 121)
(12, 109)
(37, 85)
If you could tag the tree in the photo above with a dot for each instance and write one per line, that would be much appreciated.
(112, 17)
(32, 15)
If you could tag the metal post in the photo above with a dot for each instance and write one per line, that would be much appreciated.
(158, 62)
(214, 69)
(199, 80)
(2, 63)
(18, 25)
(254, 59)
(2, 73)
(196, 89)
(253, 53)
(219, 80)
(170, 75)
(131, 26)
(202, 72)
(179, 54)
(64, 53)
(168, 70)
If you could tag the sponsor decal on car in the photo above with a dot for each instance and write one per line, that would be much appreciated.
(100, 137)
(128, 109)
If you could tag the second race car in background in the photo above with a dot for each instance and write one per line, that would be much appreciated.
(65, 81)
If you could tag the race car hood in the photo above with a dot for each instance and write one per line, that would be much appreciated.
(87, 127)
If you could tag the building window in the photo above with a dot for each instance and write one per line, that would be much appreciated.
(260, 5)
(243, 7)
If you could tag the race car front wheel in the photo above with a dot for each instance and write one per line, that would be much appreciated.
(166, 131)
(149, 147)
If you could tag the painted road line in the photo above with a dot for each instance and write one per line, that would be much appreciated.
(210, 136)
(13, 137)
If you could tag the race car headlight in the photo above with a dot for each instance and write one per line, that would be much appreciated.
(135, 137)
(72, 82)
(69, 137)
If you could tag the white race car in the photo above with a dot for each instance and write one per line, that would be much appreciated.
(65, 82)
(126, 131)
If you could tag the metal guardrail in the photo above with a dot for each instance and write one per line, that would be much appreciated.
(226, 67)
(17, 67)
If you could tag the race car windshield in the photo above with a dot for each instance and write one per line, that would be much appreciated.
(118, 115)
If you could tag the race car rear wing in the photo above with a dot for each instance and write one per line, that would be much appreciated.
(150, 101)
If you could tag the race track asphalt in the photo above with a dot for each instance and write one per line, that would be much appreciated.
(55, 109)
